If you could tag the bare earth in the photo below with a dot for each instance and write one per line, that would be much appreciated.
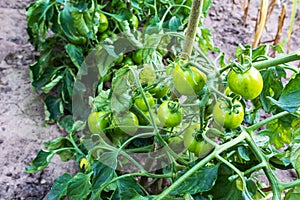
(22, 130)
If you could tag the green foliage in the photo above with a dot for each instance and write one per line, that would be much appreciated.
(83, 68)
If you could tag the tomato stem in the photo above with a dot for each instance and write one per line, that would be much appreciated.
(266, 121)
(277, 61)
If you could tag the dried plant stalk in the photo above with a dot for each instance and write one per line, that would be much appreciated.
(270, 9)
(280, 24)
(262, 22)
(246, 7)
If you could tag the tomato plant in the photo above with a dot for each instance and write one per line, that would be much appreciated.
(131, 134)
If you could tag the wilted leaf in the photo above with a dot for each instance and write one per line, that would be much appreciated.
(40, 162)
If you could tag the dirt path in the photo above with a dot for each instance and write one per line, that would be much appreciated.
(22, 131)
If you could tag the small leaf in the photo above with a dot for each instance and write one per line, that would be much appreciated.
(75, 53)
(66, 123)
(102, 174)
(59, 188)
(290, 97)
(243, 152)
(40, 162)
(128, 188)
(54, 108)
(79, 187)
(109, 159)
(174, 23)
(201, 181)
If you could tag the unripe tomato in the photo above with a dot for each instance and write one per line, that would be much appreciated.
(248, 84)
(134, 21)
(97, 122)
(126, 123)
(170, 114)
(128, 61)
(103, 23)
(228, 117)
(200, 148)
(188, 81)
(176, 144)
(141, 104)
(137, 56)
(160, 90)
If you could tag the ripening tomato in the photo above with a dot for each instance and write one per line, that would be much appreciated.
(141, 104)
(97, 122)
(201, 147)
(188, 81)
(226, 116)
(103, 23)
(170, 114)
(248, 84)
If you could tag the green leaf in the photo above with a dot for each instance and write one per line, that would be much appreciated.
(123, 14)
(174, 23)
(40, 162)
(243, 152)
(228, 190)
(39, 14)
(66, 123)
(201, 181)
(75, 53)
(293, 194)
(272, 86)
(295, 157)
(59, 188)
(109, 159)
(102, 175)
(290, 97)
(54, 108)
(206, 6)
(67, 89)
(279, 133)
(127, 188)
(79, 187)
(207, 36)
(59, 143)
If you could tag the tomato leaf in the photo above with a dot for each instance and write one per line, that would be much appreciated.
(59, 188)
(295, 157)
(127, 188)
(272, 86)
(174, 23)
(102, 175)
(290, 97)
(293, 194)
(66, 123)
(79, 187)
(59, 143)
(39, 14)
(75, 53)
(201, 181)
(54, 108)
(40, 162)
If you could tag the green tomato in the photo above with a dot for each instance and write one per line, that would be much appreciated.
(147, 115)
(134, 21)
(200, 148)
(137, 56)
(103, 23)
(128, 61)
(141, 104)
(126, 123)
(170, 114)
(248, 84)
(160, 90)
(188, 81)
(228, 117)
(97, 122)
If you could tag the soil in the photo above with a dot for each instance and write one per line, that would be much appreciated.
(22, 127)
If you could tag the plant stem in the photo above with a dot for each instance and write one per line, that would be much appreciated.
(277, 61)
(265, 121)
(192, 28)
(200, 164)
(274, 183)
